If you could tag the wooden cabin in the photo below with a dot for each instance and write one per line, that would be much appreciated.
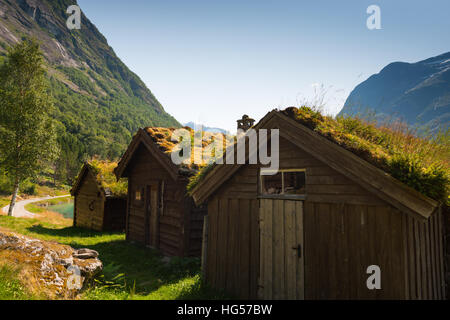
(159, 212)
(313, 230)
(100, 204)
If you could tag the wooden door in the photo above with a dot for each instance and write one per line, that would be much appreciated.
(152, 215)
(281, 250)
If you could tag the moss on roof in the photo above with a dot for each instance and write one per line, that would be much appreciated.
(420, 163)
(103, 171)
(163, 139)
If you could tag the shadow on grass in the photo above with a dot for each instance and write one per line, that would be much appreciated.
(146, 272)
(69, 232)
(144, 269)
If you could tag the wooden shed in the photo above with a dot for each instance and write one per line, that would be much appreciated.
(314, 229)
(160, 214)
(100, 203)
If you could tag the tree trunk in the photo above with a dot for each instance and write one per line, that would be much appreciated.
(14, 196)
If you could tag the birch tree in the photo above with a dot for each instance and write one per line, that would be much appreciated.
(27, 134)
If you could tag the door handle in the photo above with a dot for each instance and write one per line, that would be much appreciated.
(299, 250)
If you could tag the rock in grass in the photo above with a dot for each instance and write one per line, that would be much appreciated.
(85, 254)
(57, 270)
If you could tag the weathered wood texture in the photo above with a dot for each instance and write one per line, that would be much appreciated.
(424, 252)
(233, 246)
(115, 214)
(346, 229)
(446, 231)
(342, 241)
(179, 223)
(89, 204)
(282, 260)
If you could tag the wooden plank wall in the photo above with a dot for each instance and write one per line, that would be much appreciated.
(342, 240)
(445, 218)
(89, 193)
(323, 184)
(196, 219)
(171, 221)
(281, 273)
(180, 223)
(347, 229)
(115, 214)
(424, 253)
(233, 246)
(144, 169)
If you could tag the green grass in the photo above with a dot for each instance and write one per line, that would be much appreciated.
(421, 162)
(130, 271)
(10, 286)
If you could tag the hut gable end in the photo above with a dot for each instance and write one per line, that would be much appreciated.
(323, 183)
(372, 179)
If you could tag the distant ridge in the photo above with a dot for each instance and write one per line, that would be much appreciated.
(418, 93)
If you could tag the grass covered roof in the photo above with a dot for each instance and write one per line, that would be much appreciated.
(163, 139)
(103, 171)
(420, 163)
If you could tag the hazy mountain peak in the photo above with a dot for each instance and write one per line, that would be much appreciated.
(418, 93)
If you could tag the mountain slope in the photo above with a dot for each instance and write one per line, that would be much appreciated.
(418, 93)
(100, 102)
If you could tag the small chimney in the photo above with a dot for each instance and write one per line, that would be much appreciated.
(245, 123)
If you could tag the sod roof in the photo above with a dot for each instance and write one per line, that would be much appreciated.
(103, 173)
(420, 163)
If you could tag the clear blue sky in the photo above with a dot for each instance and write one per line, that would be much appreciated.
(212, 61)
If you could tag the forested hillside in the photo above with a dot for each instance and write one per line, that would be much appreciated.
(99, 102)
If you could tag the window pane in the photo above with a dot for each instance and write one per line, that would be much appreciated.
(272, 184)
(294, 182)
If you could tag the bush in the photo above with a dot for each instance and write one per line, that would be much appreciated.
(28, 188)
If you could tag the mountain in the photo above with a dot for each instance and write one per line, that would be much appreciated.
(418, 93)
(99, 102)
(193, 125)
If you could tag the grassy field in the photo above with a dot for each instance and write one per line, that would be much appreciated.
(11, 288)
(130, 271)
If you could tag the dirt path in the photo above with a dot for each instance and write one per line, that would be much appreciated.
(20, 211)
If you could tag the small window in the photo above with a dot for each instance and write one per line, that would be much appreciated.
(283, 182)
(294, 182)
(138, 195)
(272, 184)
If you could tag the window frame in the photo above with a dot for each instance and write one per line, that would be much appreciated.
(138, 202)
(282, 195)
